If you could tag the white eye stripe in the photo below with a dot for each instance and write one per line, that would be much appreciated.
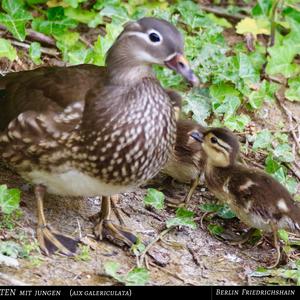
(171, 56)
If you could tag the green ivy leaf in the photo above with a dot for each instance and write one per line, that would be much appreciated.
(210, 207)
(9, 199)
(277, 171)
(183, 217)
(237, 122)
(74, 3)
(138, 247)
(35, 52)
(219, 21)
(33, 2)
(221, 210)
(199, 103)
(7, 50)
(80, 15)
(191, 14)
(262, 7)
(111, 268)
(291, 184)
(215, 229)
(281, 61)
(263, 140)
(225, 212)
(154, 198)
(56, 24)
(283, 235)
(293, 92)
(284, 153)
(265, 93)
(272, 166)
(247, 70)
(137, 276)
(222, 90)
(16, 18)
(228, 107)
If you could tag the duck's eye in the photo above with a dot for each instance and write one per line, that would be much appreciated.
(197, 136)
(154, 37)
(213, 140)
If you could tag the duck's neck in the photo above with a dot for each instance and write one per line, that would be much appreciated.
(123, 69)
(217, 176)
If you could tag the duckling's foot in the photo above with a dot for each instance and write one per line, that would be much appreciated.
(119, 235)
(51, 241)
(187, 198)
(277, 247)
(193, 186)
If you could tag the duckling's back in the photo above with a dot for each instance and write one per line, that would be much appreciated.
(261, 201)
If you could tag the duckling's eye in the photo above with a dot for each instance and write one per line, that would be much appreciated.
(154, 37)
(197, 136)
(213, 140)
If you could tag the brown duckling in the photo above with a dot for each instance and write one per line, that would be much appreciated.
(255, 197)
(186, 162)
(89, 131)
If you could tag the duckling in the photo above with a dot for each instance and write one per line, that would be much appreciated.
(255, 197)
(186, 162)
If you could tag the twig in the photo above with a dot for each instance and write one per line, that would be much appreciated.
(36, 36)
(48, 51)
(79, 229)
(194, 256)
(86, 42)
(222, 12)
(148, 247)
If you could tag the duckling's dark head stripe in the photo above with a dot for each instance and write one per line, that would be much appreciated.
(226, 137)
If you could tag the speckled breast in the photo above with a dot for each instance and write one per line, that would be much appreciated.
(138, 139)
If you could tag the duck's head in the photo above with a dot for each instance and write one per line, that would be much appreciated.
(189, 139)
(146, 42)
(220, 146)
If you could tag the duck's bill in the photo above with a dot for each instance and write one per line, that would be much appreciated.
(180, 64)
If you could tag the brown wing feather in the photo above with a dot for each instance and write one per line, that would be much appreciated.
(46, 89)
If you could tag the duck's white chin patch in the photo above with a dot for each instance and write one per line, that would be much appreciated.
(74, 183)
